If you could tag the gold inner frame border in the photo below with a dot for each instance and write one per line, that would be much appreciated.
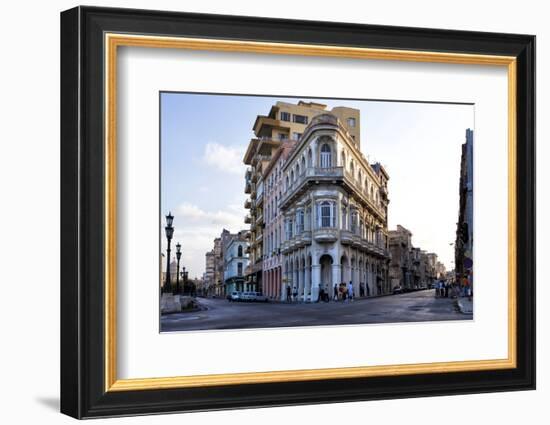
(113, 40)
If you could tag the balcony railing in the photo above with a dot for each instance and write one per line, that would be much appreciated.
(247, 204)
(325, 234)
(247, 219)
(328, 174)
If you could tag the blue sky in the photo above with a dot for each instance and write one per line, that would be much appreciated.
(204, 137)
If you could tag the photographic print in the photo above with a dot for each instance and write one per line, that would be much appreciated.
(289, 211)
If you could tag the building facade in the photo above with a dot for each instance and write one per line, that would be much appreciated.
(411, 267)
(465, 226)
(235, 264)
(400, 246)
(272, 269)
(209, 274)
(284, 124)
(335, 212)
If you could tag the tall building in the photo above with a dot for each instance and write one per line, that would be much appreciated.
(335, 209)
(274, 221)
(464, 229)
(235, 263)
(285, 123)
(400, 246)
(209, 274)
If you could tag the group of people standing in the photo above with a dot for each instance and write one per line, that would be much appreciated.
(444, 289)
(341, 292)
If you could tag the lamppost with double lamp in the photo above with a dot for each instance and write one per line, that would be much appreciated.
(178, 256)
(169, 229)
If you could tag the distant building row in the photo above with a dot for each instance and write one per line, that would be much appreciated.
(411, 267)
(226, 264)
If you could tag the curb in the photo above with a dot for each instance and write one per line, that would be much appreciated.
(462, 308)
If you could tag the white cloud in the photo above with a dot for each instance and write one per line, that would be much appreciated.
(228, 159)
(231, 218)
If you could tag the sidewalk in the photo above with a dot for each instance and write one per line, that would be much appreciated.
(465, 305)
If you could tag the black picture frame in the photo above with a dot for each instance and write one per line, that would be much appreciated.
(83, 392)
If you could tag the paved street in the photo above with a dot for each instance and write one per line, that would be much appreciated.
(222, 314)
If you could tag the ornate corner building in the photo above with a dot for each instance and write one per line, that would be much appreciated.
(318, 208)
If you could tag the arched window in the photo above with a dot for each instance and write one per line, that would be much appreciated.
(309, 158)
(360, 177)
(288, 229)
(299, 221)
(352, 168)
(287, 182)
(292, 177)
(326, 214)
(343, 159)
(303, 164)
(353, 226)
(240, 251)
(326, 156)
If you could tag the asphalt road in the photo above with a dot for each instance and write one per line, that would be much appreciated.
(221, 314)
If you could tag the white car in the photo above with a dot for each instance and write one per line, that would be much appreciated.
(259, 297)
(234, 296)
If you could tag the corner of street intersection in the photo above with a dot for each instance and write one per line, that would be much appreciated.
(219, 313)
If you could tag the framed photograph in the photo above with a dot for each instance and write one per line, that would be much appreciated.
(261, 212)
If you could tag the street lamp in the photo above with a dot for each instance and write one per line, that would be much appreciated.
(169, 229)
(178, 256)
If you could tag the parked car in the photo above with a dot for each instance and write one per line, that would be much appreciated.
(397, 289)
(259, 297)
(247, 296)
(234, 296)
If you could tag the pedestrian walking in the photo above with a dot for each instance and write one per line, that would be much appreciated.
(335, 296)
(350, 291)
(295, 294)
(288, 297)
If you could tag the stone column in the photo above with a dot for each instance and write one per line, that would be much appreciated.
(307, 282)
(336, 275)
(282, 282)
(300, 282)
(356, 277)
(315, 281)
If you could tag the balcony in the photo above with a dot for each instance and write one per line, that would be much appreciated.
(247, 219)
(332, 175)
(259, 217)
(346, 237)
(247, 187)
(325, 234)
(247, 204)
(285, 247)
(311, 175)
(303, 238)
